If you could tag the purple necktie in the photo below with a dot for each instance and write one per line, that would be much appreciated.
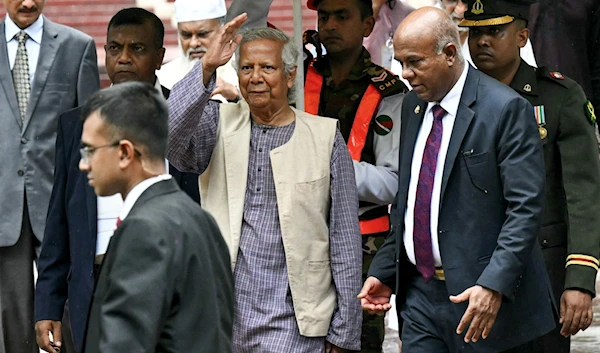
(422, 224)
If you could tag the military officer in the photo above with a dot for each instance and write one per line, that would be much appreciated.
(569, 234)
(366, 99)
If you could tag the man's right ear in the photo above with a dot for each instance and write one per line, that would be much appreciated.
(450, 51)
(161, 57)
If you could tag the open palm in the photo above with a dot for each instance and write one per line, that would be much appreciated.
(224, 45)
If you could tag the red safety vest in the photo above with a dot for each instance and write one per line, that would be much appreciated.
(358, 135)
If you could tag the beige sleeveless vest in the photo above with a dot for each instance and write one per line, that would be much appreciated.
(301, 171)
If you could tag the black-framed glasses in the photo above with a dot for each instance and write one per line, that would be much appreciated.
(87, 151)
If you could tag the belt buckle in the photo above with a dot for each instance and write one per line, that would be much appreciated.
(439, 274)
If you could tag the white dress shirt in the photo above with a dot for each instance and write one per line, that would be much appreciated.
(450, 104)
(35, 31)
(109, 208)
(137, 191)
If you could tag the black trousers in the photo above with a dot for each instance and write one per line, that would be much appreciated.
(429, 322)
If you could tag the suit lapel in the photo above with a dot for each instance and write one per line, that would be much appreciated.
(48, 50)
(416, 112)
(6, 76)
(464, 116)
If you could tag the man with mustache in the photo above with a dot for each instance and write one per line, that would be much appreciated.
(197, 24)
(80, 225)
(45, 69)
(569, 235)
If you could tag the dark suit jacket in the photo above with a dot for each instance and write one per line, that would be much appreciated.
(166, 283)
(491, 201)
(65, 266)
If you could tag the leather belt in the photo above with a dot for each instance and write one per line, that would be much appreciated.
(439, 274)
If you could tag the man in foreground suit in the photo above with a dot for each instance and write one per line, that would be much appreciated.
(165, 284)
(463, 257)
(45, 69)
(569, 234)
(79, 224)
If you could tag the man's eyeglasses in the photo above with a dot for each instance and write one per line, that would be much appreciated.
(88, 151)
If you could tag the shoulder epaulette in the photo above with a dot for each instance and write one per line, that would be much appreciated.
(553, 76)
(386, 81)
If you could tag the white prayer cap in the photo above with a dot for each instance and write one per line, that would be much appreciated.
(197, 10)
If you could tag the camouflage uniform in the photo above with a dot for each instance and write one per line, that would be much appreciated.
(341, 101)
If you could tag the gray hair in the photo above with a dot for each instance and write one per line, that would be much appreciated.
(289, 53)
(446, 32)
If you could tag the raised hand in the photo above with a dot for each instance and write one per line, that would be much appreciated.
(223, 47)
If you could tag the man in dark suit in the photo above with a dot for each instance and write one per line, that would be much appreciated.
(569, 235)
(462, 257)
(79, 224)
(45, 69)
(166, 283)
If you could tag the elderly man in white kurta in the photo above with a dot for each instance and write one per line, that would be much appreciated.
(198, 22)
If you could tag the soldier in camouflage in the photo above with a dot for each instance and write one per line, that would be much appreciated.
(366, 99)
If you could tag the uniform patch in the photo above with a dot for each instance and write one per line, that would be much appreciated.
(557, 75)
(589, 111)
(380, 78)
(383, 125)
